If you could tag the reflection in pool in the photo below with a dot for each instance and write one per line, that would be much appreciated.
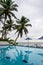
(17, 55)
(41, 54)
(28, 52)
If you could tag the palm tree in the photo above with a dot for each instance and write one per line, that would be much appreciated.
(21, 26)
(1, 19)
(6, 9)
(9, 26)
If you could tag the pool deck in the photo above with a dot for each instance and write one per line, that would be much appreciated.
(30, 44)
(26, 44)
(4, 43)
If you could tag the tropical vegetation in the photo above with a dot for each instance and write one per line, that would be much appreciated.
(6, 11)
(7, 8)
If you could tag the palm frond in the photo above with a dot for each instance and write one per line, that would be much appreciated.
(13, 15)
(18, 21)
(9, 16)
(13, 8)
(28, 25)
(14, 5)
(25, 31)
(1, 13)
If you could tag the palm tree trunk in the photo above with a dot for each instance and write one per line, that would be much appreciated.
(16, 38)
(4, 36)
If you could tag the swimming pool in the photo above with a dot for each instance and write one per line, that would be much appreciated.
(17, 55)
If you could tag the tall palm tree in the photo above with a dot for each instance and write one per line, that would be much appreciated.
(6, 9)
(21, 26)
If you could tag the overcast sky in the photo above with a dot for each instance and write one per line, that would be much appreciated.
(32, 9)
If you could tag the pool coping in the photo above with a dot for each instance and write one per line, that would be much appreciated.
(20, 46)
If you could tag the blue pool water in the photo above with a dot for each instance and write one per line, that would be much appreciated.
(17, 55)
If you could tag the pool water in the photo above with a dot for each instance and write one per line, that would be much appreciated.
(17, 55)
